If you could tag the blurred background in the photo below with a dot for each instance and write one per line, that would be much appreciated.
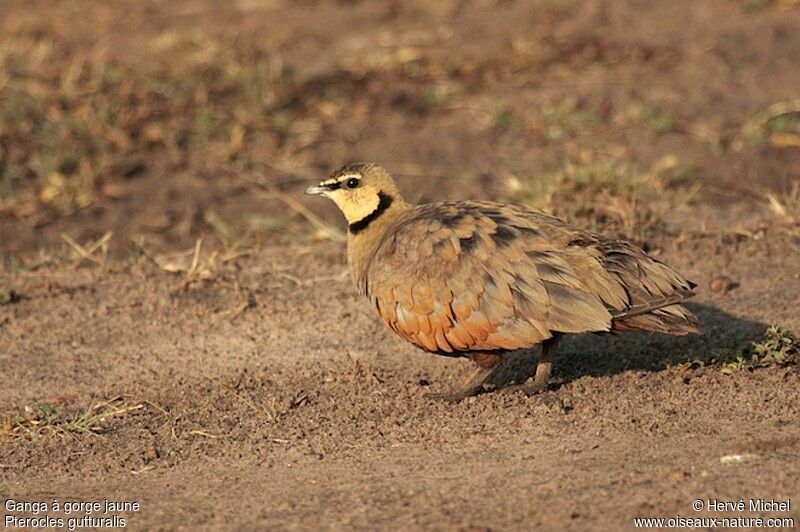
(147, 125)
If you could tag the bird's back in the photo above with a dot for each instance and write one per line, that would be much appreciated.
(465, 276)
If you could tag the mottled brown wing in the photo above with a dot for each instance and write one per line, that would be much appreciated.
(466, 276)
(653, 288)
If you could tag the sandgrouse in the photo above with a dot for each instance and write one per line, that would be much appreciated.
(479, 278)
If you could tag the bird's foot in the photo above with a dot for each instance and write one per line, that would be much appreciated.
(472, 387)
(532, 387)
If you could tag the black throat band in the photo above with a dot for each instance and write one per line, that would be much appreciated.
(384, 202)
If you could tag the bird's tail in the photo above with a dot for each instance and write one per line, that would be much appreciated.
(672, 319)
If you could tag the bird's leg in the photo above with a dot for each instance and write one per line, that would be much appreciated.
(486, 366)
(544, 369)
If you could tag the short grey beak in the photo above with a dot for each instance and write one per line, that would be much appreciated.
(316, 189)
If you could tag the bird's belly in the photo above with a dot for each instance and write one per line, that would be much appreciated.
(441, 331)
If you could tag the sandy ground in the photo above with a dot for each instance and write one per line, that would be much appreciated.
(261, 392)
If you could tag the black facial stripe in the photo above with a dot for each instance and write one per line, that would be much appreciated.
(333, 186)
(384, 202)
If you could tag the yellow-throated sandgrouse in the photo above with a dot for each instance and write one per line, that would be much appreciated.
(479, 278)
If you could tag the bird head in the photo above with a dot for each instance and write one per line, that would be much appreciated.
(362, 191)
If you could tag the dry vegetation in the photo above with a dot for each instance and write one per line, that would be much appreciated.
(50, 417)
(81, 123)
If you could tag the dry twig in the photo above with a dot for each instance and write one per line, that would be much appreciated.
(87, 252)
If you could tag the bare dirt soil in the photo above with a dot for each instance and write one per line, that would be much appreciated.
(176, 323)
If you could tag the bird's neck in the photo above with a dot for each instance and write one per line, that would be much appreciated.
(364, 235)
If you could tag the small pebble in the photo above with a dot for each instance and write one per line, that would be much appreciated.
(678, 474)
(722, 284)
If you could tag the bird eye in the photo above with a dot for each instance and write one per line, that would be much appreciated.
(352, 183)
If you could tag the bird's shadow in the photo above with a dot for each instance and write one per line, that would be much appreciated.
(722, 338)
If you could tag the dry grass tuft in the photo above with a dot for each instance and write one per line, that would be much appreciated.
(786, 205)
(778, 124)
(611, 197)
(194, 264)
(54, 417)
